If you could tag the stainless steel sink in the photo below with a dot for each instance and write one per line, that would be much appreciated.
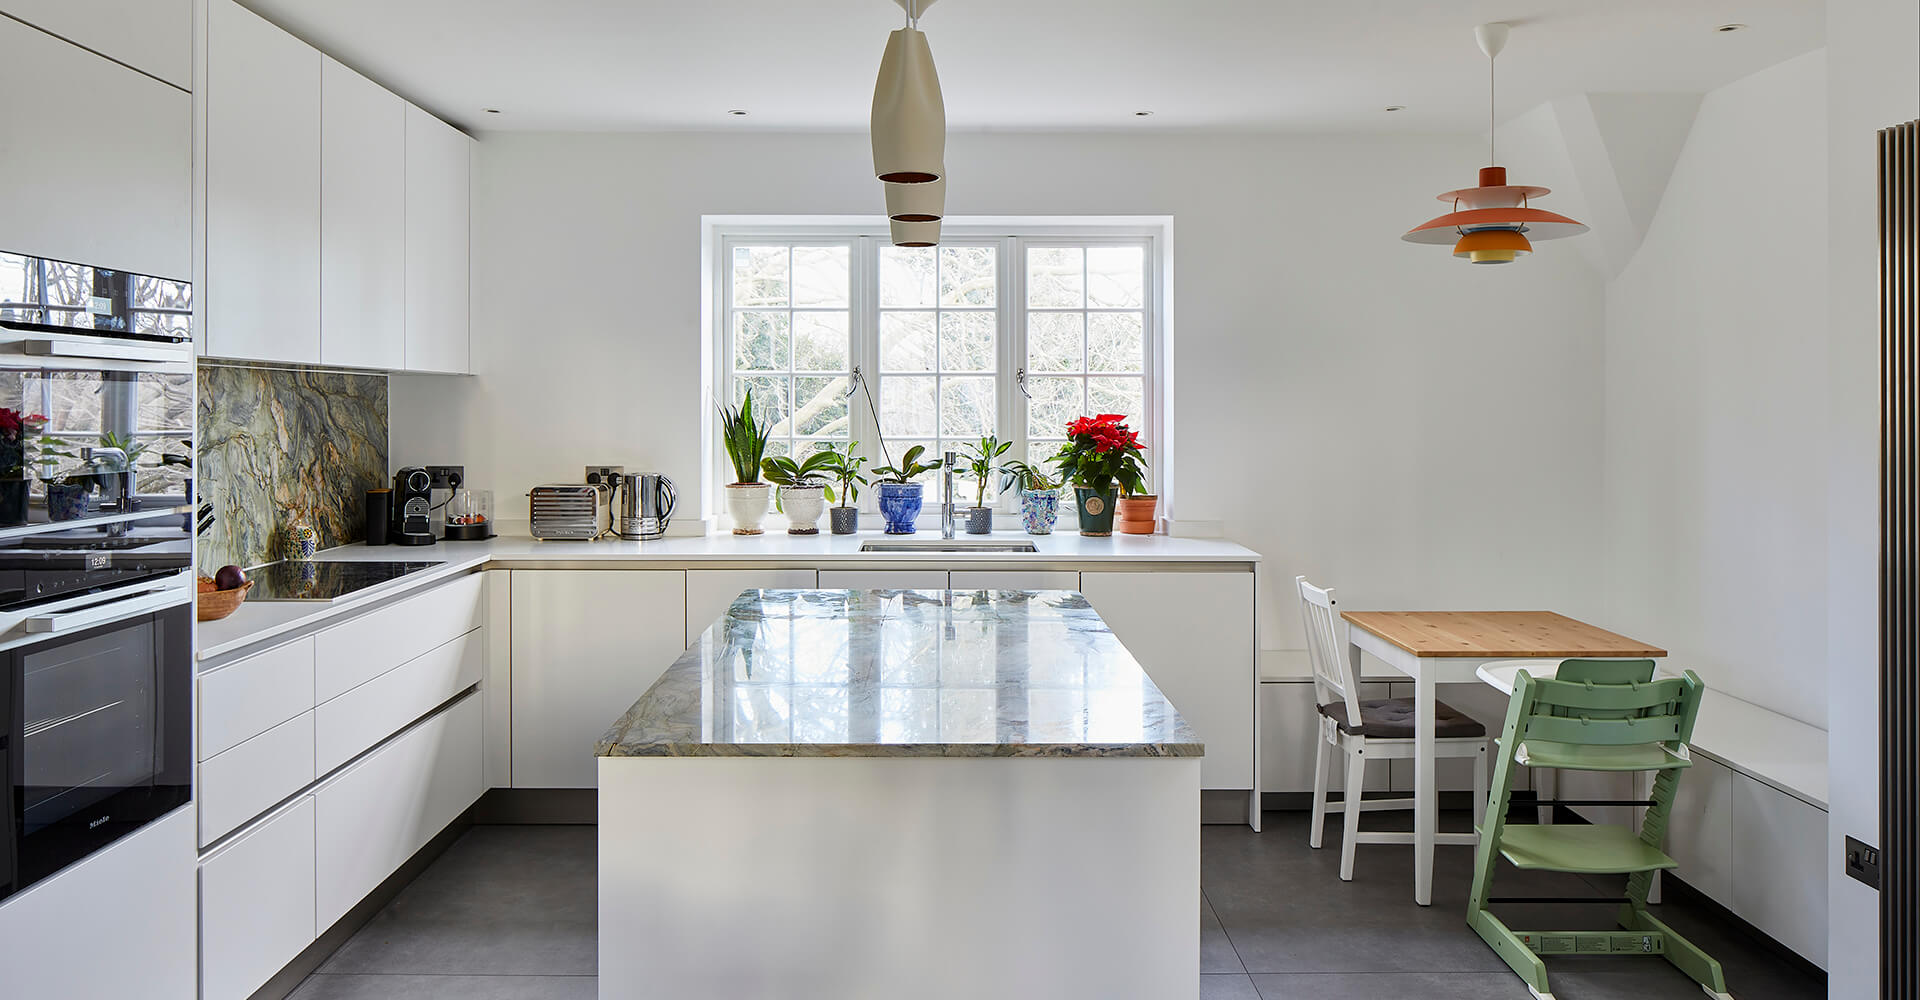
(947, 545)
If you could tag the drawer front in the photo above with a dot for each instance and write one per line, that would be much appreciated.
(883, 579)
(256, 903)
(711, 591)
(963, 579)
(370, 818)
(352, 654)
(247, 780)
(349, 724)
(244, 699)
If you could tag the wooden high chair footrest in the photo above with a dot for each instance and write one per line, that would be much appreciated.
(1584, 850)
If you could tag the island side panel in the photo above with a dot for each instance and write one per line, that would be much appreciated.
(936, 878)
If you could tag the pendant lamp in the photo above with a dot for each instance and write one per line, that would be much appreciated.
(915, 234)
(1493, 223)
(917, 202)
(909, 117)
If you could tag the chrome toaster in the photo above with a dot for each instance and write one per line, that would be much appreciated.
(568, 511)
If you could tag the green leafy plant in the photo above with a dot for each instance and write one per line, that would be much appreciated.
(843, 467)
(910, 466)
(982, 463)
(745, 439)
(1101, 451)
(789, 474)
(1029, 477)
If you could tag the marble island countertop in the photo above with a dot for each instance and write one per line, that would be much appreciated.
(893, 673)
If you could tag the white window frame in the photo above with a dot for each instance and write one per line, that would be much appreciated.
(1012, 236)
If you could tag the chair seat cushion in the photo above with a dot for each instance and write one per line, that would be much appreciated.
(1392, 719)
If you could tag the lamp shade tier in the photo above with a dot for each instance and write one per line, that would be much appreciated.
(915, 234)
(917, 202)
(1492, 246)
(1537, 224)
(909, 123)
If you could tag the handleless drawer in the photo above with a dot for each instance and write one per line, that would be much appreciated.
(249, 779)
(247, 698)
(383, 706)
(256, 903)
(352, 654)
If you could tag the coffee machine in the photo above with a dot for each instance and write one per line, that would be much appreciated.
(412, 507)
(645, 505)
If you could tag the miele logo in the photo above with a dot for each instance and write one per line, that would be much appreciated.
(95, 825)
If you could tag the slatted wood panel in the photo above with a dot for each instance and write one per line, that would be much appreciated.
(1900, 559)
(1482, 634)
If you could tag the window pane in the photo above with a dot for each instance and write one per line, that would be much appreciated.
(1114, 342)
(760, 276)
(1056, 277)
(1040, 453)
(1116, 277)
(1055, 404)
(907, 405)
(969, 276)
(906, 342)
(1055, 342)
(769, 399)
(820, 342)
(820, 406)
(906, 277)
(760, 341)
(898, 449)
(966, 407)
(820, 276)
(967, 341)
(1117, 395)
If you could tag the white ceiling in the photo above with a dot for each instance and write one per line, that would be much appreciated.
(1286, 65)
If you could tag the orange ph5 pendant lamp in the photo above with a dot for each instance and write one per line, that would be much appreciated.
(1494, 222)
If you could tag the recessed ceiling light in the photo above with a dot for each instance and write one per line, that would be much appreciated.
(1143, 114)
(737, 113)
(1730, 27)
(1394, 107)
(491, 111)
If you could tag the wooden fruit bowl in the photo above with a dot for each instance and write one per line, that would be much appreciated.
(213, 605)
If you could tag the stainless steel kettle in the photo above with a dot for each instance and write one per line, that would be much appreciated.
(646, 505)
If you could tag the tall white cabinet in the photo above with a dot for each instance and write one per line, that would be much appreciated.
(363, 206)
(437, 168)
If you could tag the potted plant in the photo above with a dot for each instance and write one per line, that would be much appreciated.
(68, 489)
(1136, 511)
(15, 427)
(803, 489)
(1039, 496)
(745, 439)
(843, 467)
(900, 496)
(1100, 454)
(981, 465)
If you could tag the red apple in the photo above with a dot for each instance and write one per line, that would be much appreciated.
(230, 578)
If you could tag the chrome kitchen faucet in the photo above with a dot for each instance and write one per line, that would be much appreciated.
(946, 495)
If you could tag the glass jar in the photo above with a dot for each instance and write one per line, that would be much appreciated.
(470, 515)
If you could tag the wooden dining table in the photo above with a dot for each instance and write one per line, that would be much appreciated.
(1448, 647)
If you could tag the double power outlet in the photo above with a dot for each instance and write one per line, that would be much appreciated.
(605, 476)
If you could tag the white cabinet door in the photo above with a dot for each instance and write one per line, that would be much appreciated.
(438, 162)
(883, 579)
(363, 226)
(586, 645)
(711, 591)
(152, 36)
(359, 650)
(242, 700)
(964, 579)
(262, 284)
(372, 816)
(497, 690)
(256, 903)
(1193, 632)
(251, 778)
(1780, 851)
(98, 159)
(1700, 829)
(346, 726)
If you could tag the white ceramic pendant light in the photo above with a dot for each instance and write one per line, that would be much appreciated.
(914, 234)
(909, 131)
(917, 202)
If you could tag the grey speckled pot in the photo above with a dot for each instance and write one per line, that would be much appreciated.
(846, 520)
(979, 520)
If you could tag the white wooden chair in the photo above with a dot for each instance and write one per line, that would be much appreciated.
(1371, 729)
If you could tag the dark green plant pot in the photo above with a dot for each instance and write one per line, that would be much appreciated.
(13, 501)
(1096, 510)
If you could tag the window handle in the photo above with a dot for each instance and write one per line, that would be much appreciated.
(1020, 381)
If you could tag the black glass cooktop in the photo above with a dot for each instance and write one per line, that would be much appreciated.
(318, 580)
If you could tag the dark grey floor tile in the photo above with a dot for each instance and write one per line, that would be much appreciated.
(503, 900)
(1392, 986)
(1233, 986)
(326, 986)
(1216, 950)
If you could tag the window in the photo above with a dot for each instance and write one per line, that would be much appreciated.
(993, 332)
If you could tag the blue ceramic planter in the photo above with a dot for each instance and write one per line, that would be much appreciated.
(67, 501)
(1039, 509)
(899, 505)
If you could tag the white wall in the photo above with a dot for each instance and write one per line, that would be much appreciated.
(1716, 397)
(1378, 415)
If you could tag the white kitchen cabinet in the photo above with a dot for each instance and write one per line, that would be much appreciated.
(1193, 634)
(351, 654)
(1700, 829)
(1780, 853)
(497, 691)
(244, 699)
(251, 778)
(119, 924)
(363, 224)
(98, 158)
(966, 579)
(1289, 725)
(883, 579)
(438, 164)
(256, 902)
(586, 645)
(711, 591)
(152, 36)
(346, 726)
(262, 286)
(376, 813)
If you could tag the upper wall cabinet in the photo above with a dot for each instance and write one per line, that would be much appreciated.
(363, 230)
(98, 158)
(152, 36)
(262, 287)
(438, 161)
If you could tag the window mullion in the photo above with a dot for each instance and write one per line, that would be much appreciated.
(1013, 356)
(865, 326)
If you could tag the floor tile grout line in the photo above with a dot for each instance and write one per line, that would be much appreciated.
(1225, 933)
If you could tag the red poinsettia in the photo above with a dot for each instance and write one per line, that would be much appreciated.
(1102, 451)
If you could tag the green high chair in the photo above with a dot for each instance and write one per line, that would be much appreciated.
(1595, 715)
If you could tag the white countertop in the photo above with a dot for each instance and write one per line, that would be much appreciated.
(514, 548)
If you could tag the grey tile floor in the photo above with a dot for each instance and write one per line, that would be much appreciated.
(508, 914)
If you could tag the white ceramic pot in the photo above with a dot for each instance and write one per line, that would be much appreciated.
(747, 505)
(803, 505)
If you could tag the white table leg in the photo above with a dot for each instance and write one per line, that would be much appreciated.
(1425, 815)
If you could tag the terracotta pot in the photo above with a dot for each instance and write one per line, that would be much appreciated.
(1137, 514)
(747, 505)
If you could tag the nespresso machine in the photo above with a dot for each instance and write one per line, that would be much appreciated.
(412, 507)
(645, 505)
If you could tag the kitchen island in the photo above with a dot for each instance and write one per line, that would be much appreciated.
(938, 794)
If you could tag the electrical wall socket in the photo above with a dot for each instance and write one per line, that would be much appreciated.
(604, 475)
(1863, 862)
(446, 477)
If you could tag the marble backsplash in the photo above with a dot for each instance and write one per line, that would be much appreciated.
(274, 444)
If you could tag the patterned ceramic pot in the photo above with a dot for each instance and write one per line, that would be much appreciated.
(803, 506)
(301, 541)
(68, 501)
(900, 505)
(846, 520)
(1095, 508)
(979, 520)
(747, 505)
(1039, 509)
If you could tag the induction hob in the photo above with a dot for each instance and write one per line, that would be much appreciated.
(320, 580)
